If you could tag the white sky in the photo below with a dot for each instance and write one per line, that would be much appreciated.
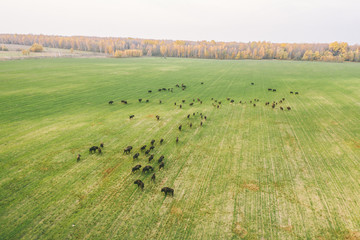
(220, 20)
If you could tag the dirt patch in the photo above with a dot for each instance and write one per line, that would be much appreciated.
(150, 116)
(288, 228)
(107, 172)
(239, 230)
(251, 186)
(353, 235)
(176, 211)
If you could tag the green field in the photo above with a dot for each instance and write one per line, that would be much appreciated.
(247, 173)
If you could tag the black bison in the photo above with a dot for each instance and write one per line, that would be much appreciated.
(167, 190)
(252, 83)
(140, 184)
(161, 141)
(175, 104)
(288, 108)
(147, 168)
(283, 99)
(153, 177)
(183, 101)
(136, 156)
(190, 124)
(201, 123)
(188, 116)
(140, 99)
(147, 152)
(93, 149)
(232, 100)
(162, 165)
(205, 117)
(269, 89)
(78, 157)
(291, 92)
(180, 127)
(152, 142)
(158, 117)
(160, 101)
(296, 93)
(202, 82)
(111, 102)
(128, 149)
(147, 100)
(274, 90)
(151, 148)
(131, 116)
(191, 104)
(161, 159)
(123, 101)
(254, 105)
(143, 147)
(180, 106)
(151, 157)
(228, 99)
(102, 145)
(99, 150)
(281, 108)
(134, 169)
(149, 91)
(177, 139)
(159, 89)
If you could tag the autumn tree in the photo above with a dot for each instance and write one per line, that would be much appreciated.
(36, 48)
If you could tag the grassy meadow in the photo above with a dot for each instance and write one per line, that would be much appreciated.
(247, 173)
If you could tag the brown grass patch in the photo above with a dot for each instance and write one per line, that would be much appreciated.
(288, 228)
(176, 211)
(239, 230)
(107, 172)
(353, 235)
(251, 186)
(150, 116)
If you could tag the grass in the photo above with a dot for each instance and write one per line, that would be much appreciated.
(248, 173)
(15, 52)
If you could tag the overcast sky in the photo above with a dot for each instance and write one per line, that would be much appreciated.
(219, 20)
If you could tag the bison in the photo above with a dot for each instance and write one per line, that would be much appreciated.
(131, 116)
(134, 169)
(152, 142)
(180, 127)
(167, 190)
(161, 159)
(161, 165)
(78, 157)
(93, 149)
(153, 177)
(102, 145)
(140, 100)
(111, 102)
(147, 168)
(136, 156)
(140, 184)
(143, 147)
(149, 91)
(161, 141)
(151, 157)
(128, 149)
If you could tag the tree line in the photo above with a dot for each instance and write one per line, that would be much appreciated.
(135, 47)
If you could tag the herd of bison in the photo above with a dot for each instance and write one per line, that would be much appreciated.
(147, 152)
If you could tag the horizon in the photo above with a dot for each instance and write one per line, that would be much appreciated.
(276, 21)
(186, 40)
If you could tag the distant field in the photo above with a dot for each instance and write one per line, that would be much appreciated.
(247, 173)
(15, 52)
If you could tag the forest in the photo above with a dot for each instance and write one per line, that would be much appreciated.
(136, 47)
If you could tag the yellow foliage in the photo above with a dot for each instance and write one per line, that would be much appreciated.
(36, 48)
